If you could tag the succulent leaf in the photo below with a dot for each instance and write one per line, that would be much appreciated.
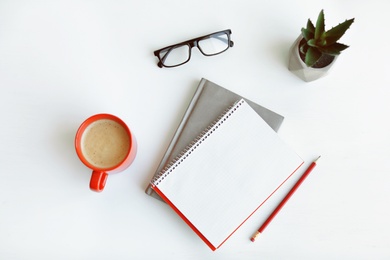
(312, 56)
(310, 26)
(334, 49)
(307, 34)
(334, 34)
(320, 25)
(312, 43)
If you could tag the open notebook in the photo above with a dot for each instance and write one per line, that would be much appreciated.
(226, 174)
(207, 103)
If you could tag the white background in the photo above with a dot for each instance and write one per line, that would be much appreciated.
(63, 61)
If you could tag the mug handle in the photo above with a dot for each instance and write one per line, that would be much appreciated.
(98, 181)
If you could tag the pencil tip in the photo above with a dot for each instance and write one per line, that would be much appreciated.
(317, 158)
(253, 238)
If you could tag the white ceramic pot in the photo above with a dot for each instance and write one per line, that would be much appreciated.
(299, 68)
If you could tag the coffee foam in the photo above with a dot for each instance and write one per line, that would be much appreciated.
(105, 143)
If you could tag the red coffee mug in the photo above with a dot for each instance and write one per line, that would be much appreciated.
(106, 145)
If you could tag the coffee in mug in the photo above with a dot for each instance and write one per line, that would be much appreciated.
(105, 144)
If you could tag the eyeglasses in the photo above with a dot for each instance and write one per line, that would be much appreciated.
(209, 45)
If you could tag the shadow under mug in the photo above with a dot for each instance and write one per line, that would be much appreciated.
(94, 139)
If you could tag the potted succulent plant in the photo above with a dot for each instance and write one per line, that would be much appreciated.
(316, 50)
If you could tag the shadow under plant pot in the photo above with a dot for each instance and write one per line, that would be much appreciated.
(297, 65)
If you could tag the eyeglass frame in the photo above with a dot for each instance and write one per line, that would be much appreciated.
(191, 43)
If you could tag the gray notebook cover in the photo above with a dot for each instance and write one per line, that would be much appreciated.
(207, 104)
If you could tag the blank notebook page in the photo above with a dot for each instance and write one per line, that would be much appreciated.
(228, 173)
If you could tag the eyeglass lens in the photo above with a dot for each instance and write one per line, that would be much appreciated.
(176, 55)
(209, 45)
(214, 44)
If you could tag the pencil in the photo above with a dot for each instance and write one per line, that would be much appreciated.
(281, 204)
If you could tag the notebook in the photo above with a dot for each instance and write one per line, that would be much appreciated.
(226, 174)
(207, 103)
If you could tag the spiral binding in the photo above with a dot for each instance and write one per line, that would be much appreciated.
(195, 143)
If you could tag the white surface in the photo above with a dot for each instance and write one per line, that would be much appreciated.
(62, 61)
